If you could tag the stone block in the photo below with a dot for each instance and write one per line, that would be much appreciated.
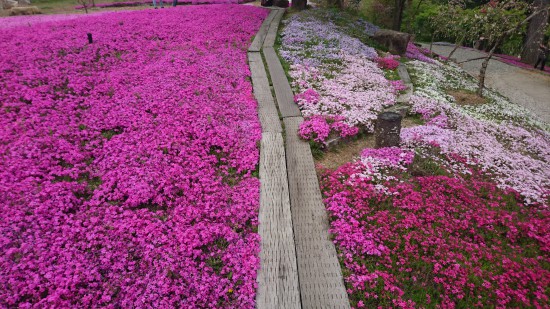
(396, 42)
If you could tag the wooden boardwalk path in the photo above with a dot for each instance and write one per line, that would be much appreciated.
(298, 263)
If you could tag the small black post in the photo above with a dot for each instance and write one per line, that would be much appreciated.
(90, 39)
(388, 129)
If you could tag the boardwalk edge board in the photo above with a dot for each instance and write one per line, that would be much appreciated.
(278, 284)
(299, 267)
(278, 274)
(258, 41)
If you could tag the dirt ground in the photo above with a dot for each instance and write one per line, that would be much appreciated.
(346, 152)
(466, 98)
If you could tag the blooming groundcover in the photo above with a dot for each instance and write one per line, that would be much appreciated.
(150, 2)
(341, 83)
(17, 21)
(338, 84)
(127, 166)
(411, 233)
(505, 140)
(456, 217)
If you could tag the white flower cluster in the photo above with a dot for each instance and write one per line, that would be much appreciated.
(502, 138)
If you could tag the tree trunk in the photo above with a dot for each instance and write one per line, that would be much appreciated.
(432, 43)
(535, 34)
(481, 81)
(398, 14)
(413, 16)
(299, 4)
(535, 13)
(485, 63)
(458, 43)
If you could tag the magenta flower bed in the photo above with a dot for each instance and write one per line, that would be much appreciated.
(16, 21)
(150, 2)
(410, 235)
(127, 165)
(388, 63)
(515, 61)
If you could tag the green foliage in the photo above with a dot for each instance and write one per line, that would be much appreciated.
(316, 150)
(420, 21)
(378, 12)
(392, 74)
(513, 45)
(492, 21)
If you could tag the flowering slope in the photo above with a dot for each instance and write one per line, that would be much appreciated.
(458, 216)
(414, 52)
(142, 2)
(126, 165)
(410, 235)
(504, 139)
(338, 83)
(30, 20)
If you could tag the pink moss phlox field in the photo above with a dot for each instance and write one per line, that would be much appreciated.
(515, 61)
(126, 165)
(318, 128)
(150, 2)
(434, 240)
(30, 20)
(494, 148)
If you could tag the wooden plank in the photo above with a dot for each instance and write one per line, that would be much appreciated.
(283, 92)
(267, 110)
(321, 281)
(258, 41)
(278, 275)
(274, 26)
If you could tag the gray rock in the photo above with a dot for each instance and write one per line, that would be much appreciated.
(27, 10)
(396, 42)
(400, 108)
(8, 4)
(24, 2)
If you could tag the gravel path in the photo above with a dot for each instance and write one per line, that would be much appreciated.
(528, 88)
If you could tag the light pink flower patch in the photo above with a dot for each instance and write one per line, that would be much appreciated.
(318, 128)
(398, 85)
(307, 98)
(414, 52)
